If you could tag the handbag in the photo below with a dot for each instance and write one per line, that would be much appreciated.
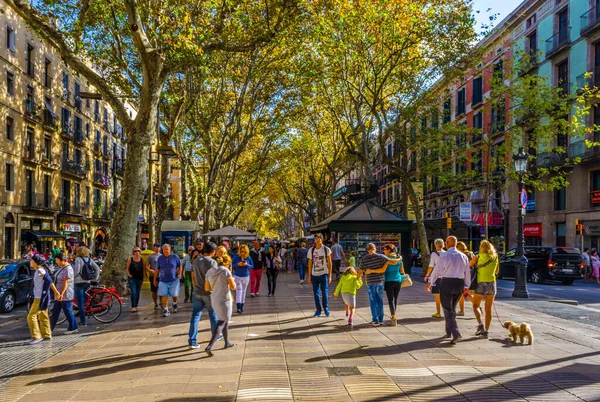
(406, 281)
(473, 285)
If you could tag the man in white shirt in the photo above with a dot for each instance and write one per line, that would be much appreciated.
(433, 258)
(453, 269)
(319, 273)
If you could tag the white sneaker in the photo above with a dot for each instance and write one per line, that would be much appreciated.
(166, 313)
(301, 281)
(194, 346)
(71, 332)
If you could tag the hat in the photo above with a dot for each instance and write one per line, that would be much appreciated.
(319, 235)
(157, 244)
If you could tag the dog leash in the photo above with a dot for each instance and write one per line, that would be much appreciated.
(497, 316)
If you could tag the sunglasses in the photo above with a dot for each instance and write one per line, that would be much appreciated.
(137, 251)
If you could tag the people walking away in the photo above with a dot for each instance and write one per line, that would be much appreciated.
(595, 261)
(151, 267)
(453, 269)
(486, 264)
(258, 261)
(462, 247)
(273, 265)
(291, 259)
(374, 266)
(394, 274)
(242, 264)
(433, 258)
(135, 274)
(168, 274)
(38, 319)
(351, 281)
(302, 261)
(201, 297)
(337, 253)
(219, 282)
(66, 291)
(320, 267)
(187, 274)
(587, 264)
(85, 271)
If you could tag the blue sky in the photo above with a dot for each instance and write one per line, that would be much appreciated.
(502, 7)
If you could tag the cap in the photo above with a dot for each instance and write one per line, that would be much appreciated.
(319, 235)
(136, 249)
(157, 244)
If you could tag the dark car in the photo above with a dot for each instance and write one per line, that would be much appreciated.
(15, 283)
(562, 264)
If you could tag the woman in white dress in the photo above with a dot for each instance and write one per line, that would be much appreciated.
(220, 282)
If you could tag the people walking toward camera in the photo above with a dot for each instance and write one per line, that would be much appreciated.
(86, 271)
(66, 291)
(151, 267)
(219, 282)
(433, 258)
(320, 268)
(462, 247)
(169, 271)
(452, 268)
(587, 264)
(242, 264)
(595, 261)
(135, 274)
(350, 282)
(486, 266)
(393, 281)
(201, 297)
(258, 261)
(273, 265)
(38, 319)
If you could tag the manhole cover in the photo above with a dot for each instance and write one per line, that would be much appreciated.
(343, 371)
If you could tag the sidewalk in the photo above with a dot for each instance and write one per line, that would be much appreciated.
(282, 353)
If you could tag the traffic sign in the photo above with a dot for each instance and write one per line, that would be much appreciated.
(523, 199)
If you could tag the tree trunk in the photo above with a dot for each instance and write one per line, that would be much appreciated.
(185, 205)
(423, 241)
(162, 197)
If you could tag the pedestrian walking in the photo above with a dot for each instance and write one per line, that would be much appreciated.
(393, 278)
(135, 274)
(320, 268)
(258, 262)
(462, 247)
(220, 282)
(374, 266)
(198, 250)
(168, 274)
(351, 281)
(187, 274)
(337, 254)
(291, 259)
(38, 319)
(66, 291)
(486, 264)
(302, 261)
(55, 250)
(452, 268)
(85, 271)
(201, 296)
(352, 259)
(587, 264)
(273, 265)
(242, 264)
(435, 290)
(151, 267)
(595, 261)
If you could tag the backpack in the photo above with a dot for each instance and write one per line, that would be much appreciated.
(87, 272)
(312, 254)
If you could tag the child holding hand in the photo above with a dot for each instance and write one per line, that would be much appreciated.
(348, 285)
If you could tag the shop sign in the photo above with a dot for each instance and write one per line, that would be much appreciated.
(592, 228)
(72, 227)
(145, 235)
(465, 211)
(532, 230)
(530, 206)
(46, 225)
(25, 224)
(595, 197)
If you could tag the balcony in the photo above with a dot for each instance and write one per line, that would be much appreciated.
(106, 153)
(100, 179)
(551, 159)
(78, 136)
(590, 21)
(73, 168)
(66, 95)
(97, 148)
(529, 64)
(50, 122)
(119, 167)
(47, 81)
(31, 111)
(39, 202)
(102, 213)
(67, 130)
(579, 149)
(29, 155)
(78, 102)
(558, 42)
(72, 207)
(50, 161)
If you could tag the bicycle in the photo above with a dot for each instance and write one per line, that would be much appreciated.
(102, 303)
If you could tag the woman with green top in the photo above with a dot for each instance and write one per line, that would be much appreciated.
(348, 285)
(393, 281)
(486, 264)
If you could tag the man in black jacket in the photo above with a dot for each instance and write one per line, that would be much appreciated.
(258, 259)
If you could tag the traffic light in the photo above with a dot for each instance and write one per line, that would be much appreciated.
(578, 228)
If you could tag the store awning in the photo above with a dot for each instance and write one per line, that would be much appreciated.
(228, 231)
(49, 107)
(44, 234)
(179, 226)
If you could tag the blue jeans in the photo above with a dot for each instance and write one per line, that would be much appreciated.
(80, 298)
(198, 304)
(320, 283)
(135, 285)
(67, 308)
(301, 267)
(375, 292)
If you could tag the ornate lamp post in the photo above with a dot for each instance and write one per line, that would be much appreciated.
(520, 289)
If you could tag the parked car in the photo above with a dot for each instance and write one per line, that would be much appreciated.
(562, 264)
(15, 283)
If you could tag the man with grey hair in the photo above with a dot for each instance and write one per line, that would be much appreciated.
(169, 270)
(433, 258)
(374, 266)
(453, 269)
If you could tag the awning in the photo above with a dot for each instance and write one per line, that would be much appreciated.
(49, 107)
(228, 231)
(44, 234)
(179, 226)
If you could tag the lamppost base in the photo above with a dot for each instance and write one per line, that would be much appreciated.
(520, 293)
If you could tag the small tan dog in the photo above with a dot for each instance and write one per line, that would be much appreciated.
(522, 331)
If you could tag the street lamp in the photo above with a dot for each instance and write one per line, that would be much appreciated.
(520, 290)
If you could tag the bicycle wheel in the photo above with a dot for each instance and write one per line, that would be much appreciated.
(105, 307)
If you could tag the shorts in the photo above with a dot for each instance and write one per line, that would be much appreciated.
(349, 299)
(169, 288)
(486, 289)
(436, 289)
(587, 270)
(153, 288)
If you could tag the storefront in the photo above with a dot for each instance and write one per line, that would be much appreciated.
(591, 234)
(179, 234)
(74, 234)
(533, 234)
(38, 232)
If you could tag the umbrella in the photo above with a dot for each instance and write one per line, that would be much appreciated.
(228, 231)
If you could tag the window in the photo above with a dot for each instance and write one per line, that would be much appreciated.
(477, 161)
(65, 150)
(477, 91)
(65, 84)
(461, 165)
(46, 187)
(10, 128)
(76, 194)
(66, 120)
(477, 133)
(96, 111)
(29, 143)
(461, 136)
(498, 156)
(532, 44)
(47, 69)
(498, 117)
(389, 148)
(560, 199)
(47, 147)
(531, 21)
(561, 234)
(461, 102)
(10, 83)
(97, 165)
(10, 39)
(447, 113)
(87, 130)
(29, 59)
(77, 90)
(77, 156)
(87, 195)
(562, 77)
(499, 72)
(10, 177)
(78, 129)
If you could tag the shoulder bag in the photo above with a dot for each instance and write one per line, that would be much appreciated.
(406, 281)
(474, 272)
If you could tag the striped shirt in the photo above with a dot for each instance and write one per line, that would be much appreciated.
(373, 261)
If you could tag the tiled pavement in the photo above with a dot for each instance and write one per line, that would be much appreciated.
(282, 353)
